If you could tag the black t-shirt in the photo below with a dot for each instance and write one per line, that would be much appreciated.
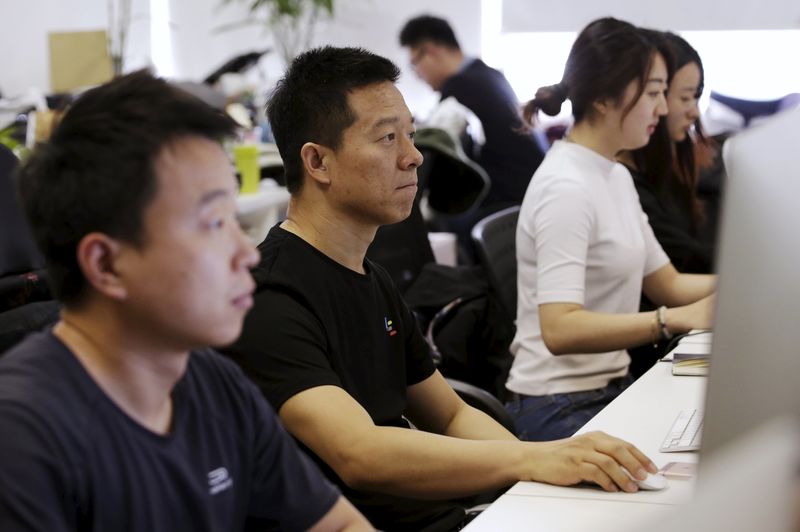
(670, 216)
(316, 322)
(71, 459)
(510, 155)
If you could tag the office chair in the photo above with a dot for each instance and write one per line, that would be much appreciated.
(25, 301)
(495, 242)
(483, 401)
(403, 248)
(751, 109)
(454, 185)
(238, 64)
(18, 252)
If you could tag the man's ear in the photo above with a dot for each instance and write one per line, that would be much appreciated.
(97, 254)
(315, 158)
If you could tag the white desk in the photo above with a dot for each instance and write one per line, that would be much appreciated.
(641, 415)
(259, 211)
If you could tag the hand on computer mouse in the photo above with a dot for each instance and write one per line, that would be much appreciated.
(652, 482)
(593, 457)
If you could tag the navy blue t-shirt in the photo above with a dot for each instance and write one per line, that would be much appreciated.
(71, 459)
(510, 155)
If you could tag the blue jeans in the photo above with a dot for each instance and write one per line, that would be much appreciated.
(560, 415)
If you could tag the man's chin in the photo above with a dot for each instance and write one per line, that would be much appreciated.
(224, 338)
(401, 215)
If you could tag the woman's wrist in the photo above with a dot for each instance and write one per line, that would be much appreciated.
(664, 331)
(655, 332)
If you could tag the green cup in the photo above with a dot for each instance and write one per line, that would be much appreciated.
(246, 158)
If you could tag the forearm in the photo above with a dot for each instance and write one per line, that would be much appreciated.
(429, 466)
(667, 287)
(472, 424)
(426, 465)
(583, 331)
(686, 288)
(419, 464)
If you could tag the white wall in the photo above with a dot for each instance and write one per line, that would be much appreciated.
(197, 49)
(24, 25)
(373, 24)
(704, 15)
(751, 64)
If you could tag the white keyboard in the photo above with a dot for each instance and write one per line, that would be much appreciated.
(684, 434)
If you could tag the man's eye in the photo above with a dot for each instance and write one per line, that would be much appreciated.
(389, 138)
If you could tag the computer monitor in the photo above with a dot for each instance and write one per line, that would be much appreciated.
(755, 357)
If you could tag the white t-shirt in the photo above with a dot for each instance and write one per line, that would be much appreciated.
(581, 238)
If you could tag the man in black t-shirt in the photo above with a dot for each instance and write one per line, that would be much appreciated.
(117, 419)
(330, 341)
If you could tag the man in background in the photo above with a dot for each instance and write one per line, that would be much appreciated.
(510, 154)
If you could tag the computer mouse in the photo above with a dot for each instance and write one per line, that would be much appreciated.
(652, 482)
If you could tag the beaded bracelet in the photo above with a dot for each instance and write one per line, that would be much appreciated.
(654, 329)
(662, 323)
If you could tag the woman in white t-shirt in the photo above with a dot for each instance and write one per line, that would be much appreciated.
(585, 251)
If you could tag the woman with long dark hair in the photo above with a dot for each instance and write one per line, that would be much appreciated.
(666, 171)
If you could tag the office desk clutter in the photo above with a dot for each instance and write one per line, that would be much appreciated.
(262, 201)
(245, 157)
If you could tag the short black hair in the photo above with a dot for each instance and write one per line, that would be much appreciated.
(97, 171)
(310, 103)
(428, 28)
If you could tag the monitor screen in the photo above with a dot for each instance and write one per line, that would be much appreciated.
(755, 361)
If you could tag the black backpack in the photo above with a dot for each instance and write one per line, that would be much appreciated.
(465, 324)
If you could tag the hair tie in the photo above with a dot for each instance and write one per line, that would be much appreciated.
(560, 90)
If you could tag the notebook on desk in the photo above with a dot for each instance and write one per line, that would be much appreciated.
(689, 363)
(691, 355)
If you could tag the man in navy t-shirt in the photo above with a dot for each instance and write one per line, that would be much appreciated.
(510, 154)
(117, 419)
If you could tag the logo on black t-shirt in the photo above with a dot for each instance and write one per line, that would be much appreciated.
(387, 323)
(219, 480)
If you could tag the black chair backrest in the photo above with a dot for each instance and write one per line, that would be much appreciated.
(403, 248)
(17, 323)
(18, 251)
(483, 401)
(495, 242)
(25, 300)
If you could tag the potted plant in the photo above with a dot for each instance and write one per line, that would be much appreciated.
(290, 22)
(119, 22)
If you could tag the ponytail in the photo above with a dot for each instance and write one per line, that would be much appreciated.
(548, 100)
